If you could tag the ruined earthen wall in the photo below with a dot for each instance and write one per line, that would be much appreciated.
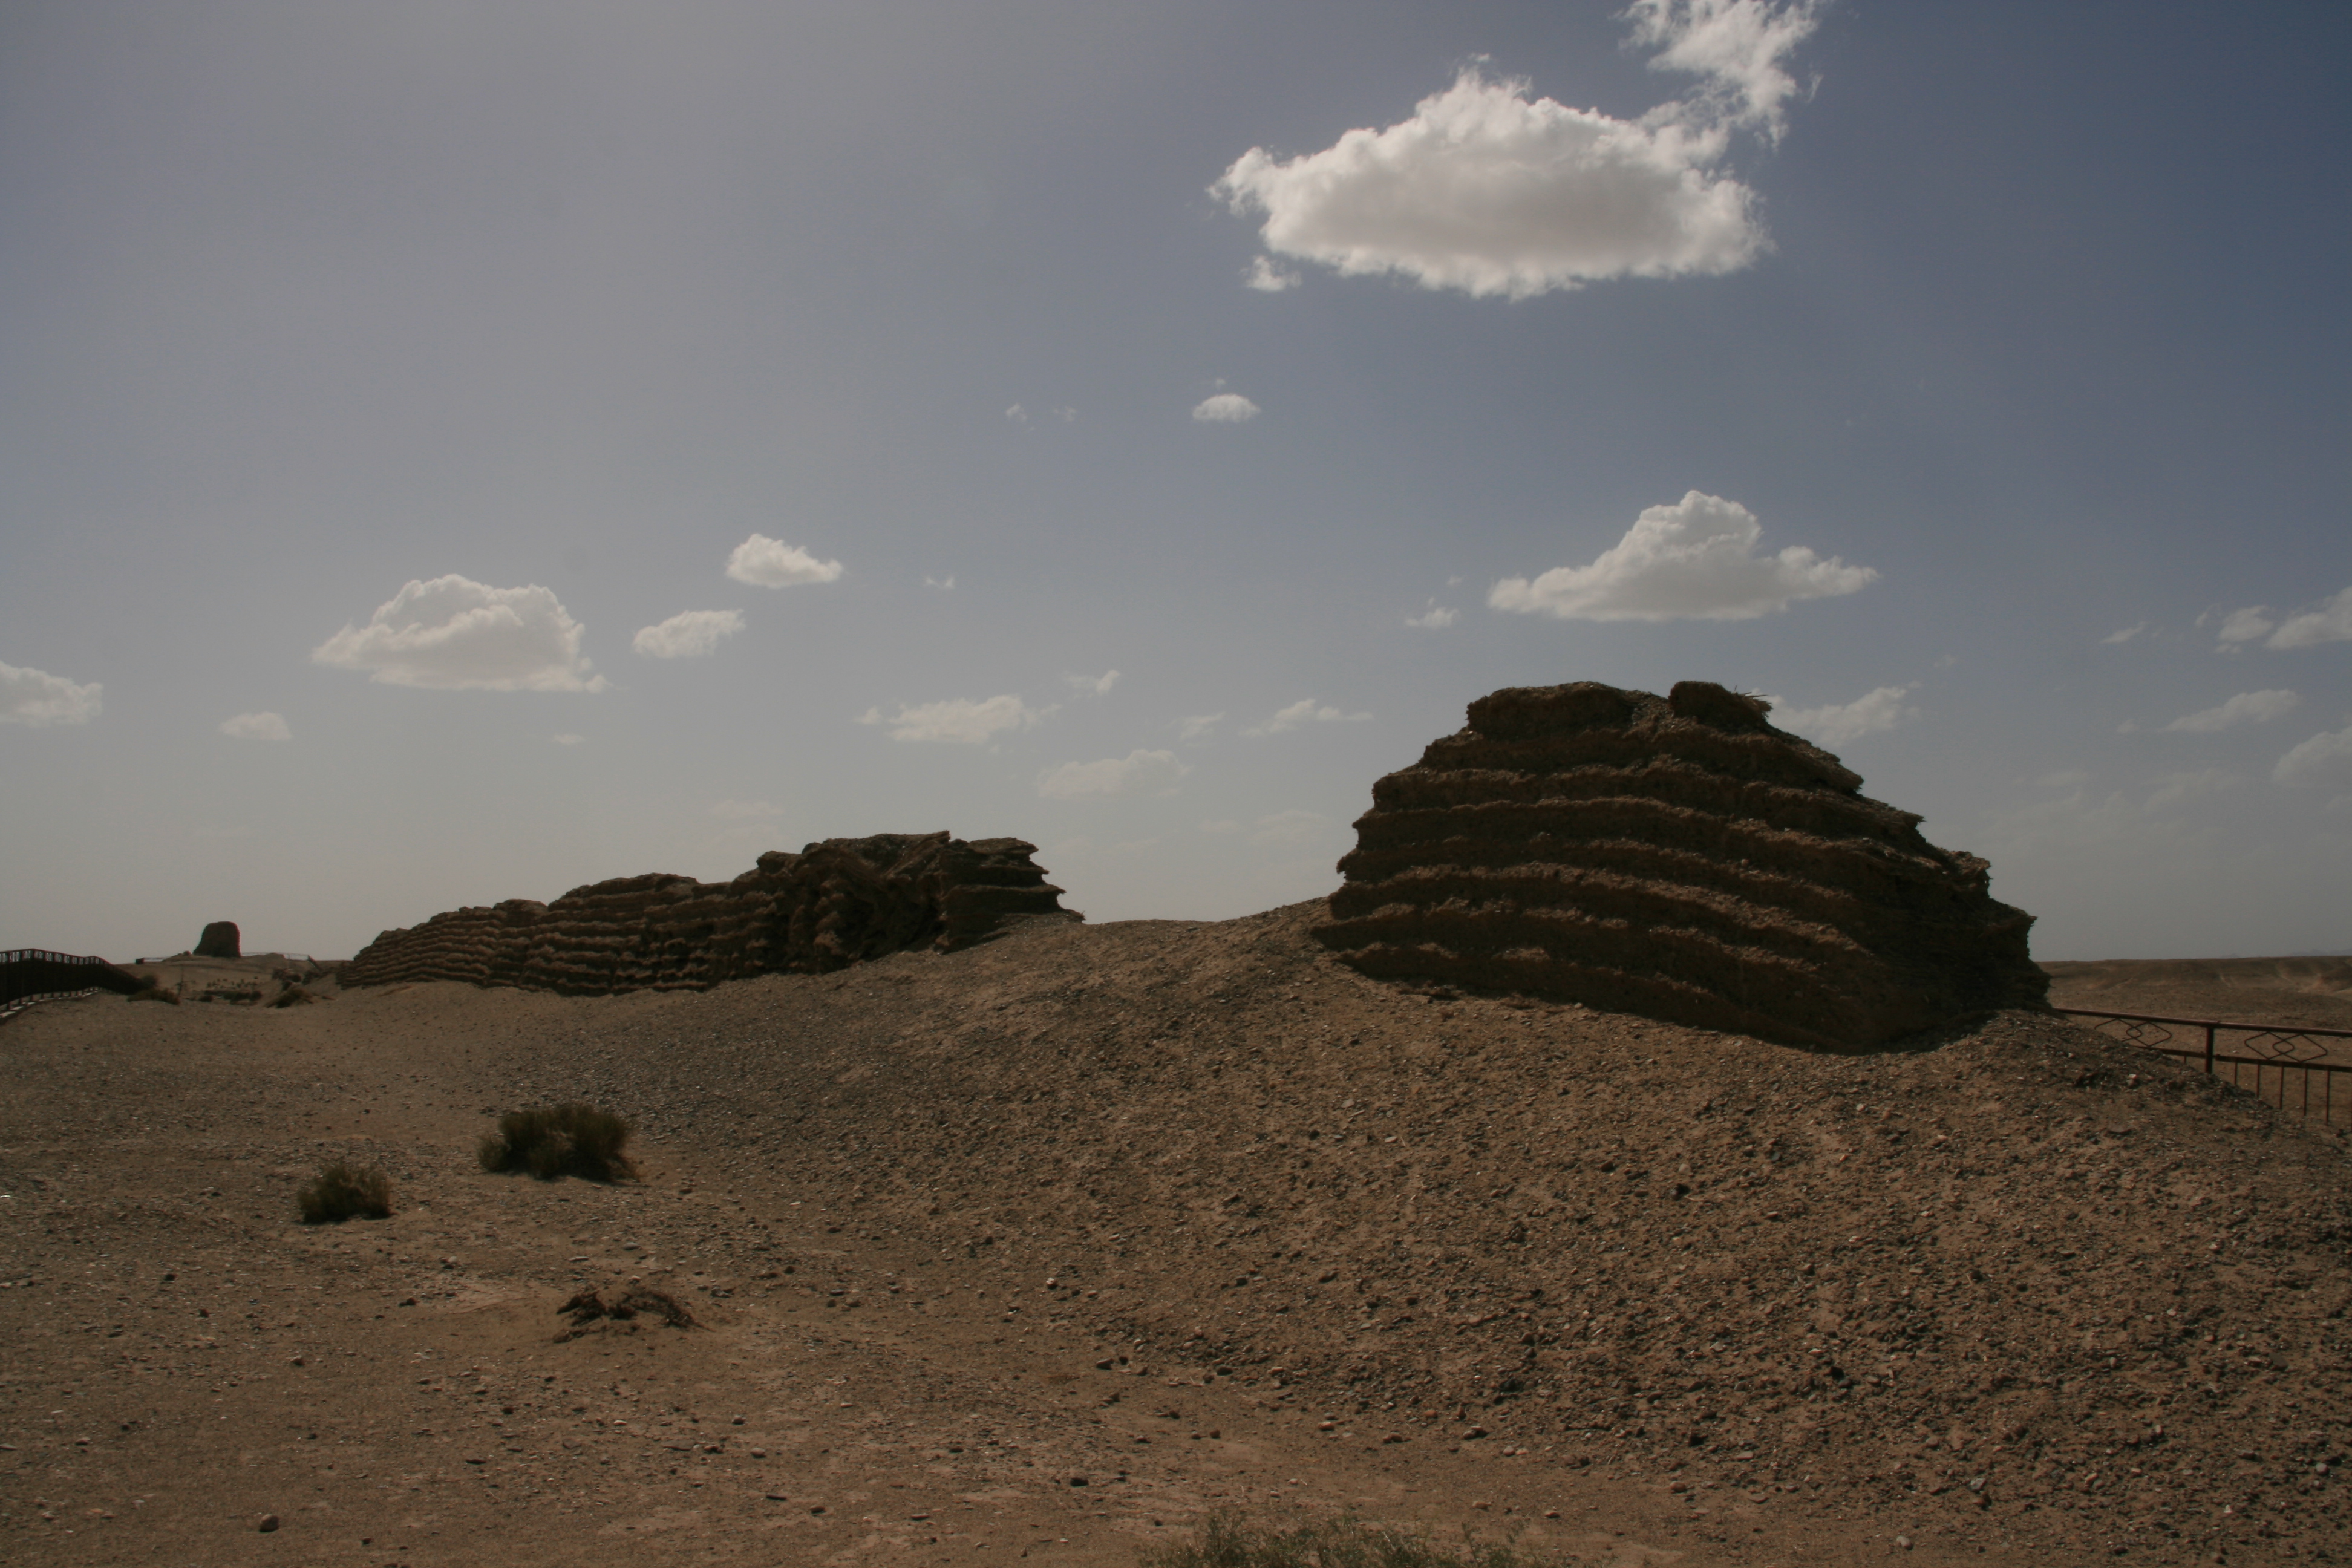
(833, 903)
(1677, 857)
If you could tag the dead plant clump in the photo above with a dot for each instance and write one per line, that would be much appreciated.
(342, 1190)
(589, 1307)
(1228, 1542)
(553, 1140)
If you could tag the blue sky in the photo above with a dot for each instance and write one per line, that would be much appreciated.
(1969, 379)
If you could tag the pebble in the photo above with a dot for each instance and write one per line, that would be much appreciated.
(269, 1522)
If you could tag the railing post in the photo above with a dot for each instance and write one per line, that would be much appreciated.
(2208, 1051)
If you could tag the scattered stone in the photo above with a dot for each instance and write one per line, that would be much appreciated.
(268, 1521)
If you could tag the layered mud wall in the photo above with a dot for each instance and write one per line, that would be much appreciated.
(833, 904)
(1675, 857)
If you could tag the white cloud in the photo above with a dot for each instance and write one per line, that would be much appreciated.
(1835, 725)
(1289, 827)
(35, 697)
(1435, 618)
(1694, 560)
(2246, 707)
(744, 810)
(946, 585)
(568, 740)
(455, 633)
(2325, 759)
(256, 727)
(1100, 685)
(1304, 711)
(1225, 408)
(2246, 625)
(691, 633)
(1199, 727)
(766, 562)
(1736, 45)
(1018, 415)
(2331, 622)
(1267, 279)
(2125, 635)
(959, 719)
(1138, 773)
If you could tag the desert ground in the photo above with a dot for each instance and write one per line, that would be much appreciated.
(1043, 1250)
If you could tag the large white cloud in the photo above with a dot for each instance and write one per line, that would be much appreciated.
(766, 562)
(36, 697)
(2246, 707)
(455, 633)
(692, 634)
(1138, 773)
(1834, 724)
(2325, 759)
(256, 727)
(959, 720)
(1695, 560)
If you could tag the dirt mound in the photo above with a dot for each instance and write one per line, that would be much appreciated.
(834, 903)
(1673, 856)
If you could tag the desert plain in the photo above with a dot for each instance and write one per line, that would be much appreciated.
(1045, 1250)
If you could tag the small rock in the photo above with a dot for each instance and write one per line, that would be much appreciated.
(268, 1521)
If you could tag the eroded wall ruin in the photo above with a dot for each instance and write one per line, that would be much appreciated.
(1675, 857)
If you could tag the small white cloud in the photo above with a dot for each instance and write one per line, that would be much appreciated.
(1437, 617)
(1138, 773)
(1267, 279)
(2324, 759)
(2331, 622)
(1695, 560)
(1199, 727)
(2244, 626)
(454, 634)
(744, 810)
(2125, 635)
(692, 634)
(1067, 415)
(945, 585)
(1222, 825)
(1225, 408)
(1018, 415)
(568, 740)
(1306, 711)
(1100, 685)
(1736, 47)
(766, 562)
(256, 727)
(1835, 725)
(2126, 726)
(1289, 827)
(2245, 707)
(958, 721)
(35, 697)
(2172, 789)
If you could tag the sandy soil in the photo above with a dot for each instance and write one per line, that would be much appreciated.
(1045, 1249)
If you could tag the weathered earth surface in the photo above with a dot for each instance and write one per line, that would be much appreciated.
(1192, 1213)
(1677, 856)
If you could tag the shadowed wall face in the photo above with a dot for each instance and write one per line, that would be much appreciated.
(1677, 857)
(833, 904)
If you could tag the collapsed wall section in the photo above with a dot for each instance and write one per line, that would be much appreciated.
(1677, 857)
(834, 903)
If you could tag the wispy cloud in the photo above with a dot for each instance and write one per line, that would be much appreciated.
(1100, 685)
(2125, 635)
(1225, 408)
(744, 810)
(946, 585)
(455, 633)
(568, 740)
(256, 727)
(2245, 707)
(1199, 727)
(35, 697)
(1695, 560)
(2331, 622)
(1437, 617)
(1138, 773)
(1289, 827)
(1834, 724)
(1306, 711)
(958, 721)
(692, 634)
(1267, 279)
(765, 563)
(2324, 759)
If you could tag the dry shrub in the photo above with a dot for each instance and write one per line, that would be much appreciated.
(341, 1190)
(553, 1140)
(588, 1306)
(151, 991)
(1228, 1541)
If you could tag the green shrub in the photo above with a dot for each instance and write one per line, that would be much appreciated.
(552, 1141)
(341, 1190)
(1227, 1542)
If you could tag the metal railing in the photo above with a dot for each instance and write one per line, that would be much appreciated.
(30, 975)
(2268, 1049)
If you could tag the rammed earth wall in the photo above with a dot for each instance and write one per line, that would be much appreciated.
(1677, 857)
